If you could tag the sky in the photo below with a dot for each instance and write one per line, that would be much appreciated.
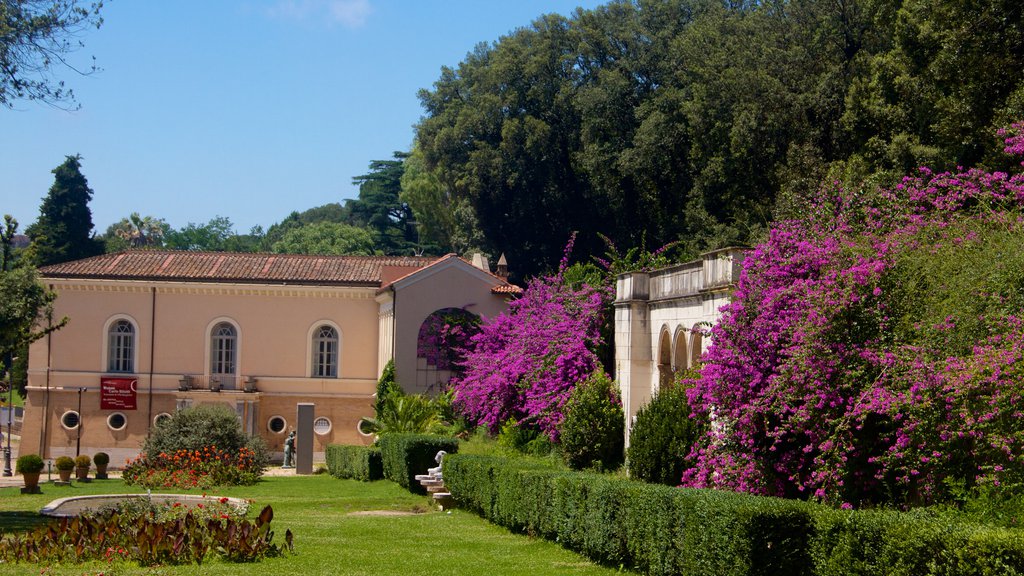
(249, 109)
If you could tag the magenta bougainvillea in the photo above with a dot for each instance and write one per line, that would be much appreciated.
(524, 364)
(874, 351)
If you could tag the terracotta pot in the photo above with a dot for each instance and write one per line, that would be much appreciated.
(81, 472)
(65, 475)
(101, 471)
(31, 479)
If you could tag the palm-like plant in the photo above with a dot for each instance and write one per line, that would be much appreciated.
(402, 413)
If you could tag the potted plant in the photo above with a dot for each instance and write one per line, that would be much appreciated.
(64, 465)
(101, 459)
(29, 466)
(82, 464)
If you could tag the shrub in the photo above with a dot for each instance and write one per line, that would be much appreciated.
(167, 537)
(402, 413)
(406, 455)
(660, 530)
(357, 462)
(201, 426)
(101, 459)
(387, 386)
(83, 461)
(64, 463)
(663, 434)
(28, 464)
(591, 435)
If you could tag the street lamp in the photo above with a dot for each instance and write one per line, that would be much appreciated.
(8, 362)
(78, 441)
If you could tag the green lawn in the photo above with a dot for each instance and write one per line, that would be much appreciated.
(329, 540)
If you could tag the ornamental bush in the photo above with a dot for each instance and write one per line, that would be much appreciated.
(203, 468)
(406, 455)
(592, 433)
(661, 438)
(874, 351)
(64, 463)
(523, 364)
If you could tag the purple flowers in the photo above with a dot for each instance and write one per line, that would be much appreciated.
(843, 372)
(524, 364)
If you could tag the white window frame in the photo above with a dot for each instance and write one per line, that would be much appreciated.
(210, 340)
(313, 353)
(108, 326)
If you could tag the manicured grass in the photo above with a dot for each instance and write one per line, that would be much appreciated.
(329, 540)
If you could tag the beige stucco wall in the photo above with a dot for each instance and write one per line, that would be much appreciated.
(275, 325)
(452, 283)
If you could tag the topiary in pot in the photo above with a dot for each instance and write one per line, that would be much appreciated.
(29, 466)
(82, 464)
(64, 465)
(101, 459)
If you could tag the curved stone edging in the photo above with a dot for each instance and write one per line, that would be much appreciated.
(75, 505)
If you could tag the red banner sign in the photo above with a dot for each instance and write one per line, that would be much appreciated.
(117, 393)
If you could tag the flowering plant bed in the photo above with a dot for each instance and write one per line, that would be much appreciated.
(202, 468)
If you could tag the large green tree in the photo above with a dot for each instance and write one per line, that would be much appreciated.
(37, 36)
(380, 208)
(63, 231)
(329, 238)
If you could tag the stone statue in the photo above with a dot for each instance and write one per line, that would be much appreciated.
(437, 470)
(289, 450)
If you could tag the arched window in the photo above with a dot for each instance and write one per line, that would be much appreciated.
(325, 352)
(223, 349)
(121, 347)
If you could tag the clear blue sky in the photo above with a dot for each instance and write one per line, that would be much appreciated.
(248, 109)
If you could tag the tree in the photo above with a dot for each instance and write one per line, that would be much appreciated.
(212, 236)
(26, 306)
(135, 231)
(329, 238)
(36, 36)
(63, 231)
(380, 208)
(333, 212)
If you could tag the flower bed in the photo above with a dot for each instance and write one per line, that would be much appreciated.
(203, 468)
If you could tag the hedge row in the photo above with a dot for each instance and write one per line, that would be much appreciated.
(406, 455)
(356, 462)
(662, 530)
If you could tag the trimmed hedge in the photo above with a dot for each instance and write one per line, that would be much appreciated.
(662, 530)
(357, 462)
(406, 455)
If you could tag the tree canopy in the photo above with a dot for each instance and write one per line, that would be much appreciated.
(703, 120)
(63, 231)
(37, 36)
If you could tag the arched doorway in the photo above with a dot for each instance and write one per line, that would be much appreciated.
(679, 355)
(696, 344)
(439, 346)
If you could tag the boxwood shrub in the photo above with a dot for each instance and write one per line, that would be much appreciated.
(659, 530)
(357, 462)
(406, 455)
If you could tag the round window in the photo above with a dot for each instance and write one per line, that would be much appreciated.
(70, 420)
(276, 424)
(322, 426)
(161, 418)
(116, 421)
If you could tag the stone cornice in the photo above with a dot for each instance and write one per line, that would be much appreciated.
(211, 289)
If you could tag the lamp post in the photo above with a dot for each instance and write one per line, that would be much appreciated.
(78, 441)
(8, 361)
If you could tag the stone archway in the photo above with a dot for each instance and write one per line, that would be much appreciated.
(664, 358)
(680, 357)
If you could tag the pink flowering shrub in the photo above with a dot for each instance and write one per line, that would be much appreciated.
(524, 364)
(874, 351)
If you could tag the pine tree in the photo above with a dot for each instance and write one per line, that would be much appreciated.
(63, 231)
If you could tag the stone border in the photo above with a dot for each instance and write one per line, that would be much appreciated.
(77, 504)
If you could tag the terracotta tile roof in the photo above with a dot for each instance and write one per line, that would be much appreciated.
(502, 287)
(510, 289)
(230, 267)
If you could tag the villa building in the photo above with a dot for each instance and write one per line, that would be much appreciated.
(661, 318)
(151, 332)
